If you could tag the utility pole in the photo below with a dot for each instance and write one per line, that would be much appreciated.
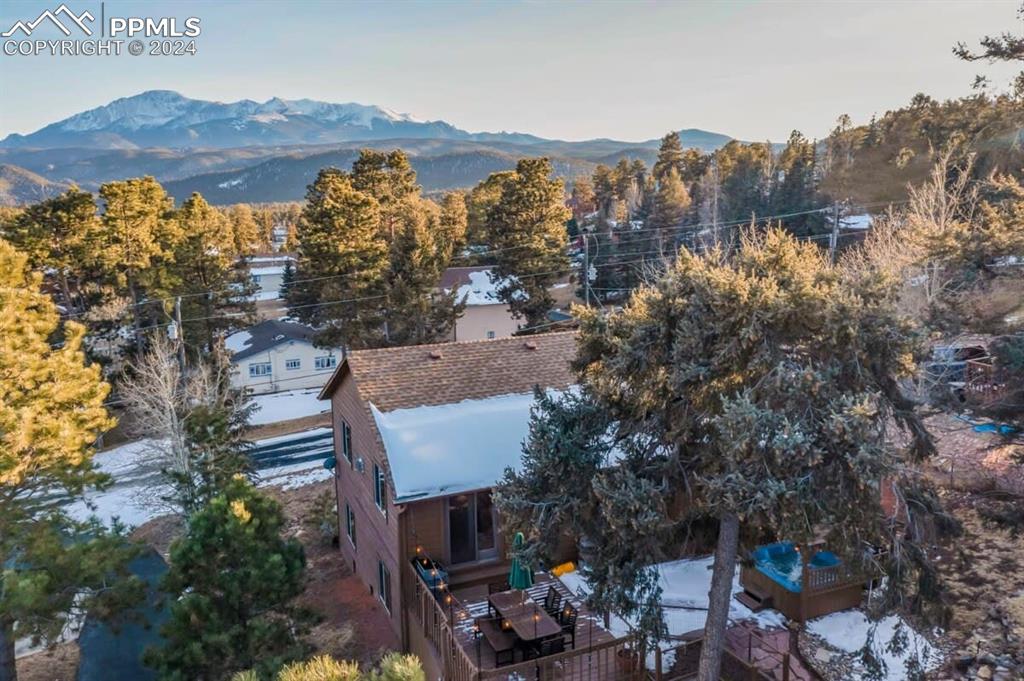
(714, 209)
(181, 336)
(586, 270)
(834, 238)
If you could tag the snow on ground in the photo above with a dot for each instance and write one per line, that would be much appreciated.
(684, 597)
(293, 404)
(138, 485)
(849, 631)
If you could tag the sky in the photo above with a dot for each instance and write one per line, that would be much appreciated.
(567, 70)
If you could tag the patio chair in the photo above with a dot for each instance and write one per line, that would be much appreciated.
(495, 588)
(567, 618)
(544, 647)
(553, 602)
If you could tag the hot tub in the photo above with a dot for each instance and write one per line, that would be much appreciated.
(781, 562)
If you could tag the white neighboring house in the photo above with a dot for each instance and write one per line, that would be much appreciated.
(485, 316)
(276, 355)
(267, 272)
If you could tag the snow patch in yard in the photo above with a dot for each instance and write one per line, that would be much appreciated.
(293, 404)
(849, 630)
(684, 597)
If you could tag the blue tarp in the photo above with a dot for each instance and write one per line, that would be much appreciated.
(113, 651)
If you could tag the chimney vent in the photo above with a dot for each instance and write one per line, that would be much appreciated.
(530, 345)
(436, 354)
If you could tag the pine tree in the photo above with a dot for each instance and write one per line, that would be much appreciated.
(343, 259)
(528, 232)
(51, 412)
(416, 310)
(797, 191)
(753, 391)
(61, 235)
(584, 199)
(604, 191)
(214, 284)
(139, 236)
(245, 230)
(480, 202)
(232, 577)
(452, 223)
(670, 156)
(670, 205)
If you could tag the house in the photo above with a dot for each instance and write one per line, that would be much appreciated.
(422, 434)
(277, 355)
(485, 316)
(267, 273)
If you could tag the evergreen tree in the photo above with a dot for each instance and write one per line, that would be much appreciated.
(343, 259)
(670, 156)
(527, 230)
(213, 282)
(480, 202)
(287, 279)
(231, 580)
(51, 412)
(754, 391)
(416, 310)
(61, 235)
(245, 230)
(583, 198)
(670, 205)
(798, 190)
(139, 237)
(393, 667)
(452, 224)
(387, 177)
(604, 191)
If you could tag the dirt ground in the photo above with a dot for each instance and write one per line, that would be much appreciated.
(57, 664)
(288, 427)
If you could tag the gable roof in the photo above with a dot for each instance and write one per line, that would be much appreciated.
(266, 335)
(445, 373)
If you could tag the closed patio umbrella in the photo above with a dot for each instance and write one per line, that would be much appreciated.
(520, 576)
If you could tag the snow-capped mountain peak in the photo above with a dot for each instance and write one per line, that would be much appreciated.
(157, 108)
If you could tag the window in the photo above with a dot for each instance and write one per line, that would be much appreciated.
(380, 489)
(350, 524)
(256, 278)
(325, 362)
(257, 369)
(384, 585)
(490, 334)
(346, 441)
(292, 364)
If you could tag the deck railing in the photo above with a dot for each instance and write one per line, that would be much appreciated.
(440, 616)
(678, 661)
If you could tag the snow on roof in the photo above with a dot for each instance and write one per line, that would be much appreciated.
(237, 341)
(267, 270)
(480, 290)
(862, 221)
(452, 448)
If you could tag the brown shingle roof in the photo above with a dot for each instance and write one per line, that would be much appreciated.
(454, 277)
(442, 373)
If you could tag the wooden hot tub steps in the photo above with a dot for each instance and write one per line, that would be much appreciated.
(754, 600)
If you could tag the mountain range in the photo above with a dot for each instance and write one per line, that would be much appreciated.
(248, 151)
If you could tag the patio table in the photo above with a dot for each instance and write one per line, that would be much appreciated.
(524, 616)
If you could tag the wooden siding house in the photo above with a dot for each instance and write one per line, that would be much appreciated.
(421, 434)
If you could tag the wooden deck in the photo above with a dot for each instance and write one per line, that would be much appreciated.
(447, 622)
(590, 629)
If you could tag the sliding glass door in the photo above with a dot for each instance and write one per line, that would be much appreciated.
(471, 528)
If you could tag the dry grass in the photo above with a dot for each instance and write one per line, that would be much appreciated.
(60, 663)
